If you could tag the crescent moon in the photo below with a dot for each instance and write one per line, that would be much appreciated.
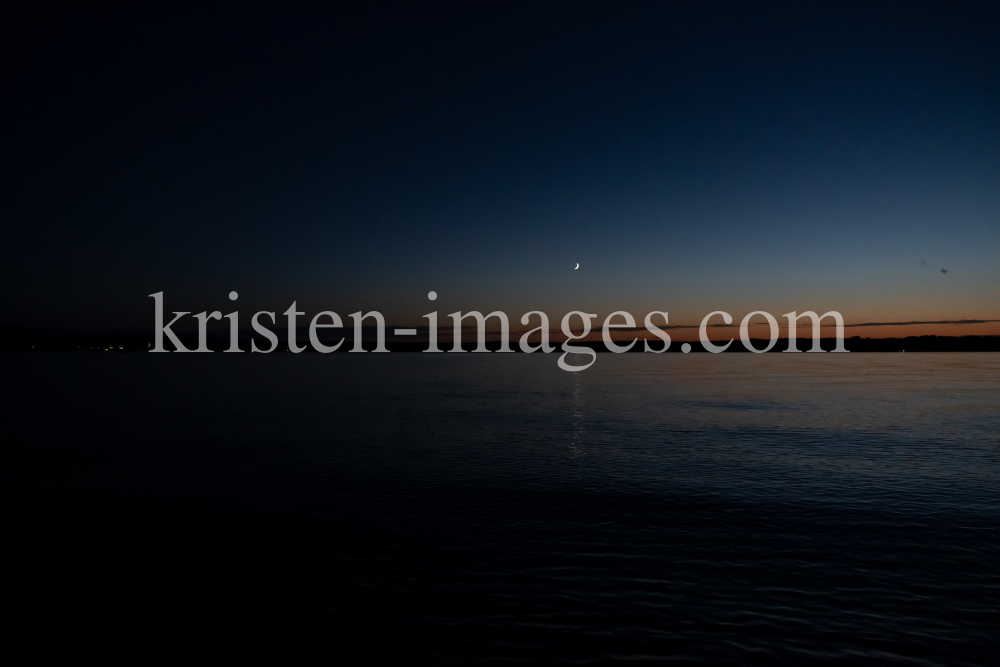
(577, 266)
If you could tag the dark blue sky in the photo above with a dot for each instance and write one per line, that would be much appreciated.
(691, 157)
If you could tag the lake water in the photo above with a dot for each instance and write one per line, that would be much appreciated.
(711, 509)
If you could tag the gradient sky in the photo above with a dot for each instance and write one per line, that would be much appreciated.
(691, 157)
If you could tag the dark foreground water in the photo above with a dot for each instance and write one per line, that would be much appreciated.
(730, 509)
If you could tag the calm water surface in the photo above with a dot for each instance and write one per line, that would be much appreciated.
(730, 509)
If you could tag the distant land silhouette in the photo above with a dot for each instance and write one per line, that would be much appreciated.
(25, 339)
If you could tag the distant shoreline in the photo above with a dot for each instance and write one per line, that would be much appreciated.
(62, 341)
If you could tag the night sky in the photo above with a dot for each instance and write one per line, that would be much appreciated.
(690, 157)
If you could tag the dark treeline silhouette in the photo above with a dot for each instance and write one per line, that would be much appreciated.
(56, 340)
